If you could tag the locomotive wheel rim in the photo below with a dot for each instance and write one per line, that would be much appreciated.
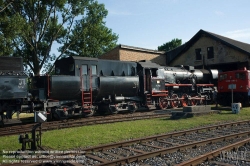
(163, 103)
(88, 114)
(200, 100)
(184, 102)
(174, 103)
(113, 110)
(193, 101)
(134, 108)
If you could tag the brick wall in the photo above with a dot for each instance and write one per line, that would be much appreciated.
(222, 54)
(130, 55)
(126, 53)
(112, 55)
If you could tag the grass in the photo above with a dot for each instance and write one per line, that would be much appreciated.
(23, 115)
(86, 136)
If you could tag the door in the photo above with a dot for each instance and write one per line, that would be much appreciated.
(89, 77)
(148, 80)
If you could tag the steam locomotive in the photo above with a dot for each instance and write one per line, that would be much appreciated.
(85, 86)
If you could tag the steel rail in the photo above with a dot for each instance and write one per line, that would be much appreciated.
(160, 150)
(164, 151)
(213, 154)
(60, 125)
(161, 136)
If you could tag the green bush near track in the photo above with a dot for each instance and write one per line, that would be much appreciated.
(85, 136)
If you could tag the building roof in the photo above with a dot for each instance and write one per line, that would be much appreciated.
(84, 58)
(148, 64)
(139, 49)
(237, 45)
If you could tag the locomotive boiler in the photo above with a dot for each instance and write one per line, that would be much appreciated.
(187, 74)
(186, 85)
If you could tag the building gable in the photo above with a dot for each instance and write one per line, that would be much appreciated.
(207, 49)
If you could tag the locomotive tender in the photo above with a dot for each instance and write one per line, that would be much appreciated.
(83, 86)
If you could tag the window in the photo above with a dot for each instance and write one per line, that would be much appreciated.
(223, 77)
(71, 67)
(198, 54)
(57, 70)
(93, 69)
(210, 52)
(84, 69)
(132, 71)
(241, 76)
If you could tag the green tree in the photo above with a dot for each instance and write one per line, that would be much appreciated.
(170, 45)
(30, 28)
(96, 39)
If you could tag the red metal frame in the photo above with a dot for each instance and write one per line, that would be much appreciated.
(90, 84)
(90, 87)
(81, 77)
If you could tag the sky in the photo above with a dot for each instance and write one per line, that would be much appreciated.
(151, 23)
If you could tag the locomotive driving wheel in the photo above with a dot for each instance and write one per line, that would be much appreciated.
(88, 111)
(184, 100)
(55, 114)
(132, 107)
(193, 101)
(200, 100)
(163, 103)
(174, 101)
(112, 109)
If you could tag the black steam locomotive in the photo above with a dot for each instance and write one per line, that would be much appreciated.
(84, 86)
(87, 85)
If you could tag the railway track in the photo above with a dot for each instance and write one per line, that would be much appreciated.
(210, 145)
(18, 129)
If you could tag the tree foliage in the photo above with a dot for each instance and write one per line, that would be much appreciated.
(170, 45)
(30, 29)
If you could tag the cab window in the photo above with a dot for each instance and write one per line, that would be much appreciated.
(84, 69)
(241, 76)
(58, 71)
(223, 77)
(93, 69)
(71, 67)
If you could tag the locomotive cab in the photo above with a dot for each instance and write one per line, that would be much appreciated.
(234, 86)
(152, 88)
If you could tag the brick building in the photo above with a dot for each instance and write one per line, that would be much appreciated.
(129, 53)
(209, 50)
